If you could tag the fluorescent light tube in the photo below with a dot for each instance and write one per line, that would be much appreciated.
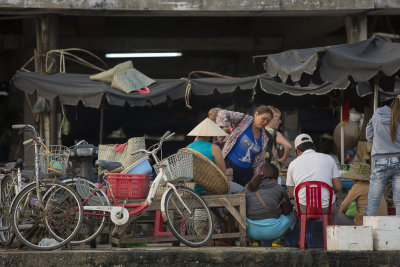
(129, 55)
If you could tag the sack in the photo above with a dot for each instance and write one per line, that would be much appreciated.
(352, 210)
(286, 207)
(122, 153)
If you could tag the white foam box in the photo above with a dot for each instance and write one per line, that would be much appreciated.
(354, 238)
(385, 231)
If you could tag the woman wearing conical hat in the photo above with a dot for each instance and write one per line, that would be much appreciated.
(204, 132)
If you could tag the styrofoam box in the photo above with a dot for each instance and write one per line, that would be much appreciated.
(386, 239)
(343, 237)
(386, 231)
(382, 222)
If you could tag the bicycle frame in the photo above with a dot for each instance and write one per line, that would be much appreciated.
(139, 206)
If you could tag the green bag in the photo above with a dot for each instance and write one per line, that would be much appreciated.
(352, 210)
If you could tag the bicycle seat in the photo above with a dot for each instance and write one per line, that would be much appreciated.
(14, 165)
(108, 165)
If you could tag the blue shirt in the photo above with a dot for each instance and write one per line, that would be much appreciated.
(203, 147)
(245, 148)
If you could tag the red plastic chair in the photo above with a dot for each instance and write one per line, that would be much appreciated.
(158, 225)
(313, 207)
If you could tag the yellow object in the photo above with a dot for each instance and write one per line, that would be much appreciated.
(254, 244)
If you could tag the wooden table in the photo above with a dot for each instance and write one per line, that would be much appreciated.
(235, 204)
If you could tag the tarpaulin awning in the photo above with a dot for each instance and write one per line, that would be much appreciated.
(72, 88)
(361, 60)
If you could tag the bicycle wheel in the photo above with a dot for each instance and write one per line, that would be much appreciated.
(192, 224)
(7, 195)
(50, 225)
(93, 221)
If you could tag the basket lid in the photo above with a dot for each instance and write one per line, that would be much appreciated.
(207, 175)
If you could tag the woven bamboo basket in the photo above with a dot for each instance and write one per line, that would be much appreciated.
(207, 175)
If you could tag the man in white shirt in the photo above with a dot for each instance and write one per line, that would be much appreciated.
(313, 166)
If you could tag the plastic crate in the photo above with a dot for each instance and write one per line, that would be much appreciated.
(128, 185)
(292, 239)
(315, 234)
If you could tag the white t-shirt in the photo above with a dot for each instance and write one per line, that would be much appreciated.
(312, 166)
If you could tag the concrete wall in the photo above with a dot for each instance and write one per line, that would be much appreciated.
(205, 256)
(148, 6)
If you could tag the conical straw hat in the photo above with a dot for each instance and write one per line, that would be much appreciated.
(358, 171)
(207, 128)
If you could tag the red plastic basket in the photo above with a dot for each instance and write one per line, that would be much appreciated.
(128, 185)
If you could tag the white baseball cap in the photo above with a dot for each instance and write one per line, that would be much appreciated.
(302, 138)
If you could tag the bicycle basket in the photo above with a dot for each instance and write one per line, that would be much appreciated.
(54, 159)
(178, 167)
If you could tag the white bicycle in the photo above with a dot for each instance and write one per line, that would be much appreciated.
(186, 213)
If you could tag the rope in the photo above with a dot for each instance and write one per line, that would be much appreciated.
(63, 119)
(187, 94)
(35, 116)
(208, 73)
(65, 54)
(189, 85)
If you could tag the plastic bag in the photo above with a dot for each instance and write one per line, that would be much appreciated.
(55, 166)
(47, 242)
(41, 106)
(352, 210)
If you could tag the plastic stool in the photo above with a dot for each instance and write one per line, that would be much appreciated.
(158, 225)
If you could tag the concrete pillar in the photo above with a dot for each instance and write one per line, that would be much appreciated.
(47, 39)
(356, 28)
(28, 44)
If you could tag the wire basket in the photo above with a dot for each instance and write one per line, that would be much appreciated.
(54, 160)
(178, 167)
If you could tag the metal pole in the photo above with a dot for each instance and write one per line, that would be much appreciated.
(101, 121)
(341, 136)
(376, 95)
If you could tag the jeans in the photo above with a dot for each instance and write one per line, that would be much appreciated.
(384, 169)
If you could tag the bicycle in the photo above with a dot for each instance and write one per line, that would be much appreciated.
(46, 214)
(186, 213)
(11, 184)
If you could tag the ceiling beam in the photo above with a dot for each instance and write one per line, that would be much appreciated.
(127, 44)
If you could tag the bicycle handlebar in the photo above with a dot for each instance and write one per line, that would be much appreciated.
(165, 135)
(141, 151)
(157, 147)
(26, 127)
(27, 141)
(19, 126)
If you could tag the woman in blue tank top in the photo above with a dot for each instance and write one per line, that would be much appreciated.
(204, 131)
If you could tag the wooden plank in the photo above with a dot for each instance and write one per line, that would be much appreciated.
(233, 211)
(149, 239)
(229, 201)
